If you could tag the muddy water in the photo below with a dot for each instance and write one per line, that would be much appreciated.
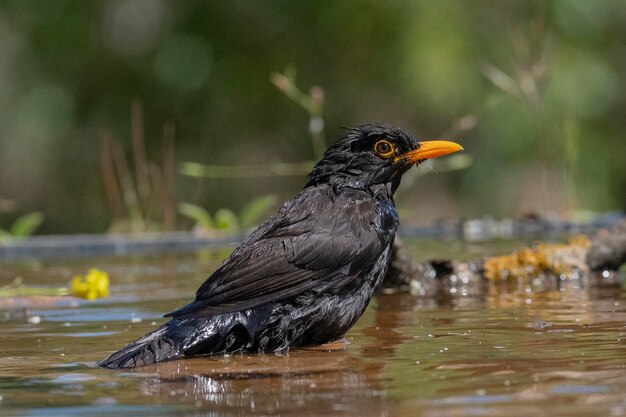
(503, 354)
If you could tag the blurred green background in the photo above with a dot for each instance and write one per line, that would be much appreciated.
(534, 91)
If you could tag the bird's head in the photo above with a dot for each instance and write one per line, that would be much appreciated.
(372, 155)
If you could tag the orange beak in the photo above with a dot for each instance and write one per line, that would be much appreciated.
(431, 149)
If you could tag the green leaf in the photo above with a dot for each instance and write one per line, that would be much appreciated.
(197, 214)
(252, 212)
(26, 224)
(225, 219)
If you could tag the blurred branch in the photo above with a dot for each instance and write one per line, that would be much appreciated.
(169, 211)
(129, 192)
(140, 198)
(272, 169)
(16, 288)
(552, 134)
(107, 170)
(139, 155)
(531, 72)
(313, 103)
(502, 80)
(461, 125)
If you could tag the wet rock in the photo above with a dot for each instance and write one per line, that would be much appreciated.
(544, 267)
(608, 248)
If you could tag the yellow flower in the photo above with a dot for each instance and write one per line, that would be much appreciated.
(94, 285)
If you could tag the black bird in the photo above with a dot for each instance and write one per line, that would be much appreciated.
(306, 275)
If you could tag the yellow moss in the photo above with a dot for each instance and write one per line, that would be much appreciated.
(557, 258)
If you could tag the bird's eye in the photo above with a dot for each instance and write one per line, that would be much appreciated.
(384, 148)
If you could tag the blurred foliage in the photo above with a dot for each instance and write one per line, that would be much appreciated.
(541, 81)
(22, 227)
(225, 220)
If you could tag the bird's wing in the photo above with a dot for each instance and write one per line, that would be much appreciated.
(294, 253)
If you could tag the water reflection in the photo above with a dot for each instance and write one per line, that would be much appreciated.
(302, 382)
(414, 357)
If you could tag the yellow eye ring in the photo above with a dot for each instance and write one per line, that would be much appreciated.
(384, 148)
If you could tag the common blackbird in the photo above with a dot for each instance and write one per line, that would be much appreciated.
(305, 275)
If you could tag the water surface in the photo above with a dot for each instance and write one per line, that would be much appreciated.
(559, 353)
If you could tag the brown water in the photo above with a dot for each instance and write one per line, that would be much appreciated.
(504, 354)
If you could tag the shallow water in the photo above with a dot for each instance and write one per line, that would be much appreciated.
(560, 353)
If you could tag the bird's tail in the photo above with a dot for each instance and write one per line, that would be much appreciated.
(156, 346)
(188, 337)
